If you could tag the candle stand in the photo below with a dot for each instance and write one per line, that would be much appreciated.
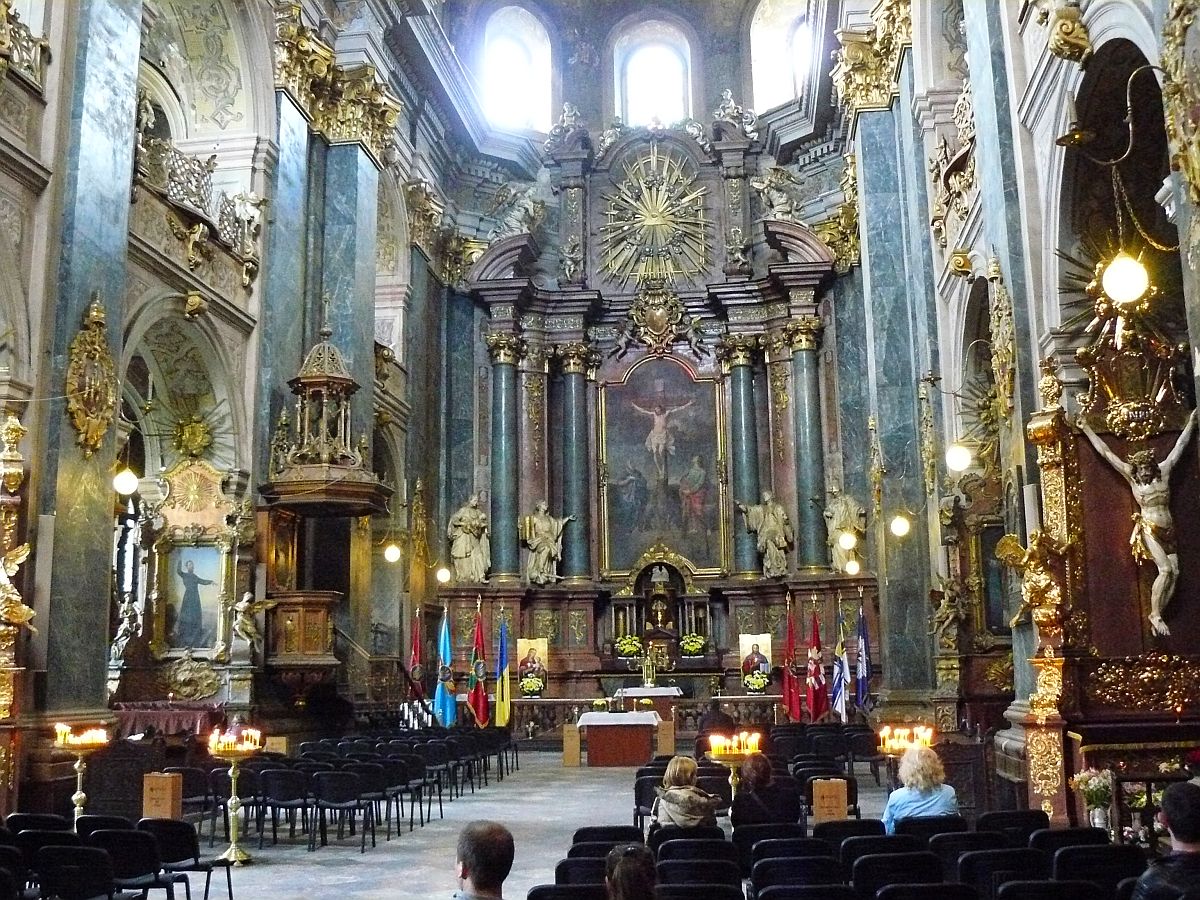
(732, 752)
(81, 746)
(224, 747)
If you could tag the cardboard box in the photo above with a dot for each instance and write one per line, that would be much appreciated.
(829, 799)
(162, 795)
(666, 737)
(277, 744)
(570, 746)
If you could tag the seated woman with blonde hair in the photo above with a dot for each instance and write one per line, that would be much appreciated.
(679, 801)
(924, 793)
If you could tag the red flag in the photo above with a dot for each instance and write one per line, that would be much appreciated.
(414, 660)
(791, 674)
(816, 691)
(477, 697)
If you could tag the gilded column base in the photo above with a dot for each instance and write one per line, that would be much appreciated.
(751, 575)
(576, 580)
(504, 578)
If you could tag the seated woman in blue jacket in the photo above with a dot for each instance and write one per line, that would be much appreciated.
(924, 793)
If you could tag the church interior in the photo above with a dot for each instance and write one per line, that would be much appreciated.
(427, 367)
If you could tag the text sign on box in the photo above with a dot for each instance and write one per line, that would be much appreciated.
(162, 795)
(829, 799)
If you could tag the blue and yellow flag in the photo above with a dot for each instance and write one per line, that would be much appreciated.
(445, 704)
(503, 710)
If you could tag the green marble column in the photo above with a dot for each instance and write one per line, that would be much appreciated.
(576, 559)
(737, 353)
(92, 171)
(812, 549)
(505, 349)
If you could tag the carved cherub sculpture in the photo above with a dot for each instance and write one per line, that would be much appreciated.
(1041, 595)
(13, 610)
(948, 614)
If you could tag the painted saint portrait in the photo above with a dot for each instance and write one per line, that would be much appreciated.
(661, 444)
(194, 596)
(755, 650)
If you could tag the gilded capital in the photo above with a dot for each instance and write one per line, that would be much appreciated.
(804, 332)
(576, 357)
(738, 349)
(839, 232)
(506, 348)
(346, 104)
(867, 62)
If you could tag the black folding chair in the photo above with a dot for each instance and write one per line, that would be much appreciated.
(708, 871)
(580, 870)
(618, 834)
(568, 892)
(986, 870)
(1105, 866)
(697, 892)
(1016, 824)
(927, 890)
(74, 872)
(808, 892)
(854, 847)
(135, 860)
(1047, 890)
(179, 850)
(670, 832)
(86, 824)
(878, 870)
(1050, 840)
(925, 827)
(593, 849)
(745, 837)
(340, 792)
(287, 790)
(837, 830)
(949, 847)
(702, 848)
(17, 822)
(805, 870)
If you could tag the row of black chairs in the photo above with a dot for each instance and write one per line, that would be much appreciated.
(157, 853)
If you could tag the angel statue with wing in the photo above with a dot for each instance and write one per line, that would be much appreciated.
(13, 610)
(244, 624)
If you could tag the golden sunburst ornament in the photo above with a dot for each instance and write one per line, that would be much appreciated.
(655, 227)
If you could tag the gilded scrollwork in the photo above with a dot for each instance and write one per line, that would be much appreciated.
(868, 62)
(1181, 94)
(839, 232)
(1044, 749)
(1149, 683)
(999, 673)
(189, 678)
(91, 382)
(875, 468)
(952, 171)
(1068, 37)
(424, 216)
(1003, 338)
(928, 440)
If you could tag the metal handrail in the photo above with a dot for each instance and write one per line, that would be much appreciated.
(415, 689)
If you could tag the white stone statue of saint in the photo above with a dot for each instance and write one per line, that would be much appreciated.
(470, 547)
(1153, 537)
(843, 514)
(769, 520)
(544, 538)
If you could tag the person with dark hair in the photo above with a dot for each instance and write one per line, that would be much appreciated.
(629, 873)
(760, 799)
(1175, 877)
(716, 722)
(484, 859)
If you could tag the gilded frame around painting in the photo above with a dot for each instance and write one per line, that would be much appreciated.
(689, 407)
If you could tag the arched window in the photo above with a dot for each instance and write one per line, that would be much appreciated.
(652, 63)
(780, 52)
(515, 72)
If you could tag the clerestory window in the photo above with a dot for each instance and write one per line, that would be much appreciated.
(780, 52)
(652, 63)
(515, 71)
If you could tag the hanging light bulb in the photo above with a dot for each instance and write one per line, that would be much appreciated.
(852, 567)
(958, 457)
(900, 525)
(125, 482)
(1125, 280)
(443, 575)
(847, 540)
(392, 552)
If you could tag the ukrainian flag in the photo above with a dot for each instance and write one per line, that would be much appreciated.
(445, 703)
(503, 710)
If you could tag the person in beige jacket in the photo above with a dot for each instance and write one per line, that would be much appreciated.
(679, 801)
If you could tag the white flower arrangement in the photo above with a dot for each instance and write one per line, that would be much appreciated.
(1096, 786)
(756, 681)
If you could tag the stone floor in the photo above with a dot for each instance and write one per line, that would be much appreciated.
(543, 804)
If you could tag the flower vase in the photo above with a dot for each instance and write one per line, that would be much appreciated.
(1098, 817)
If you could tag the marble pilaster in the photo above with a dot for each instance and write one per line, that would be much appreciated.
(285, 264)
(348, 266)
(737, 353)
(506, 348)
(893, 298)
(75, 487)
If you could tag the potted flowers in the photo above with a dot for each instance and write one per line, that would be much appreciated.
(692, 644)
(1096, 788)
(756, 682)
(531, 685)
(629, 645)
